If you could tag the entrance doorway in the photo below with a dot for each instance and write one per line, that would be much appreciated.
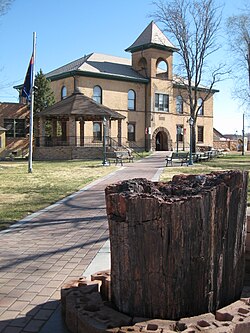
(161, 141)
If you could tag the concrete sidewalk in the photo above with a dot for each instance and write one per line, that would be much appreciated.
(60, 243)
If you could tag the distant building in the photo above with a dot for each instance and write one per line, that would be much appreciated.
(14, 122)
(144, 101)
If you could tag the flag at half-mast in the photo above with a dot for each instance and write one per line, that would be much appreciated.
(26, 91)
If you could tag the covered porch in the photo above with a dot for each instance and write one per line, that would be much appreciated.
(74, 128)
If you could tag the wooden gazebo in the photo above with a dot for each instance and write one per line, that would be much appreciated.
(62, 132)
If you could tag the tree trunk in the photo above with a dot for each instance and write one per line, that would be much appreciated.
(177, 248)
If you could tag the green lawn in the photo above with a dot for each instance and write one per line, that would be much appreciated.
(22, 193)
(226, 162)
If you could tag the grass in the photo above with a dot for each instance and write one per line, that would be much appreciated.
(22, 193)
(226, 162)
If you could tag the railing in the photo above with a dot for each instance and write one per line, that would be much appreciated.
(48, 141)
(89, 141)
(125, 144)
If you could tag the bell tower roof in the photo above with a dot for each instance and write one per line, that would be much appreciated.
(151, 37)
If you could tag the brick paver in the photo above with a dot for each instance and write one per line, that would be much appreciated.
(57, 244)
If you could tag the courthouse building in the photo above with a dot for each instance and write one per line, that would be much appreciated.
(135, 103)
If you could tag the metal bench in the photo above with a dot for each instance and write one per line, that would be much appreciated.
(180, 157)
(120, 157)
(123, 156)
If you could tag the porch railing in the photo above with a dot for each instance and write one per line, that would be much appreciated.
(88, 141)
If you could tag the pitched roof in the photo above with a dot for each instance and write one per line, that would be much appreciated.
(97, 64)
(10, 109)
(181, 82)
(2, 129)
(152, 36)
(80, 105)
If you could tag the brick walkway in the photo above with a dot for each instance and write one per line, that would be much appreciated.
(39, 254)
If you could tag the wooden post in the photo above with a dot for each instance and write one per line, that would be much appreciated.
(177, 248)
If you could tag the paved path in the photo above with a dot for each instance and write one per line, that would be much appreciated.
(57, 244)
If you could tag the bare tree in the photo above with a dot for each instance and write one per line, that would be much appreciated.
(194, 26)
(238, 28)
(4, 6)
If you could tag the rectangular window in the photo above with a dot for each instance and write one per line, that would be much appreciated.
(131, 132)
(16, 128)
(161, 102)
(179, 133)
(200, 130)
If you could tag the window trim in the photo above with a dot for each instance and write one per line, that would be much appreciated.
(133, 139)
(132, 99)
(63, 92)
(201, 111)
(179, 104)
(165, 102)
(97, 97)
(18, 127)
(180, 136)
(97, 138)
(198, 134)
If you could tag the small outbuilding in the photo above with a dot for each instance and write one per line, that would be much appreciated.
(63, 134)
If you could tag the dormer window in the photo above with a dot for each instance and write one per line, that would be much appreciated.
(63, 92)
(97, 94)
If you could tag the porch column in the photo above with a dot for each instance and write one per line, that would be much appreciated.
(42, 122)
(64, 130)
(119, 134)
(82, 123)
(72, 131)
(54, 131)
(109, 133)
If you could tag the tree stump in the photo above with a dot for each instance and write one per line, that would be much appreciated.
(177, 248)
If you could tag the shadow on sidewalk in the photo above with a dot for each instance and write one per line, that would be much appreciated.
(43, 318)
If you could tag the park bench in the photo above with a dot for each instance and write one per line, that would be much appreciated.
(121, 156)
(174, 157)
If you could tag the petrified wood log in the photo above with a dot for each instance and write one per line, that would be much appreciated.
(177, 248)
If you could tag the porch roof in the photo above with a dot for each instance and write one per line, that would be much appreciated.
(80, 106)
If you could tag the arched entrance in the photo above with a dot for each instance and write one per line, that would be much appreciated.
(161, 139)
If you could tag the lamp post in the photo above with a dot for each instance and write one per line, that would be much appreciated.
(104, 162)
(177, 138)
(191, 123)
(243, 135)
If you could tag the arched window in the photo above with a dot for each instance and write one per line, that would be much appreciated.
(97, 94)
(142, 66)
(200, 105)
(131, 100)
(63, 92)
(162, 69)
(179, 104)
(97, 131)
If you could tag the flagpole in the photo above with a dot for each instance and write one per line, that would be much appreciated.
(32, 107)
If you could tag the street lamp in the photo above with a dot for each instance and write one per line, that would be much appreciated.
(104, 162)
(243, 135)
(191, 123)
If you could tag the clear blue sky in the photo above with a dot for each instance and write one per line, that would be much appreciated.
(67, 30)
